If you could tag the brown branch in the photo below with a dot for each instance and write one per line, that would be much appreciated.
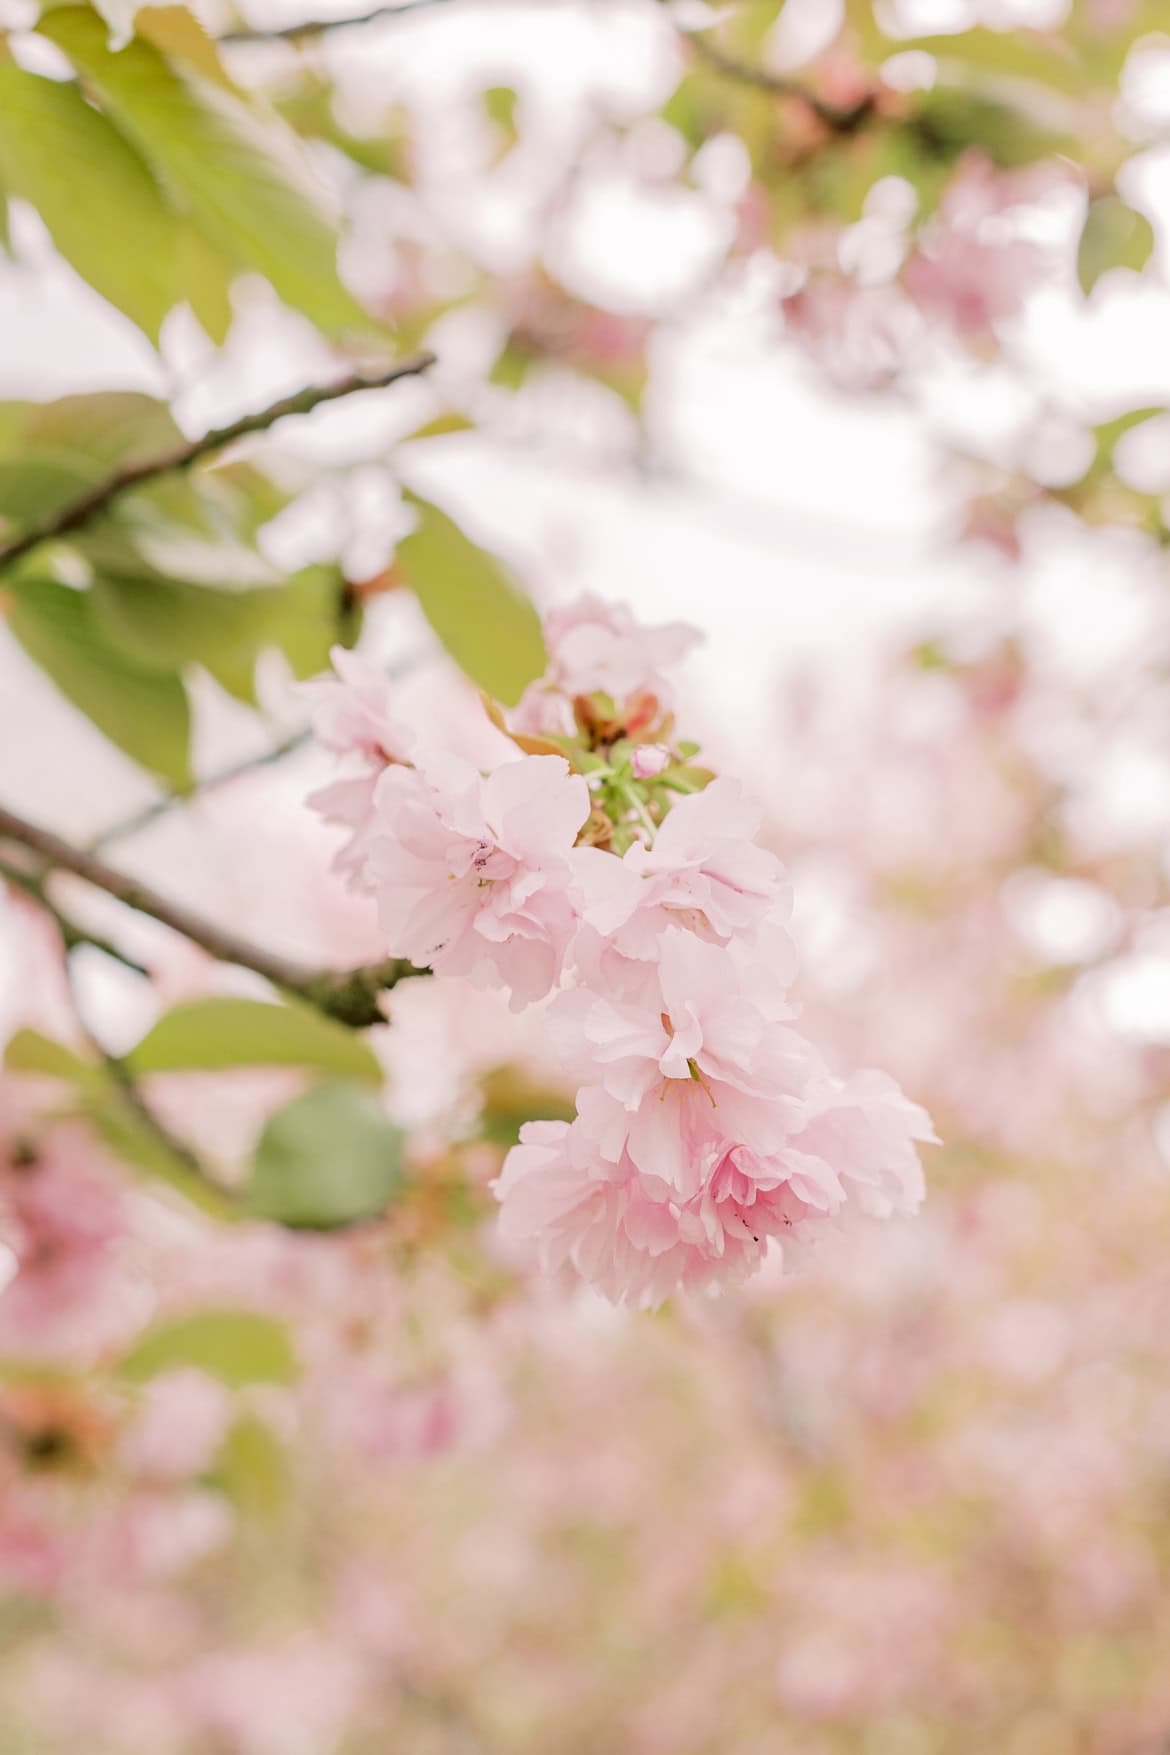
(131, 475)
(129, 826)
(349, 995)
(72, 935)
(841, 118)
(318, 27)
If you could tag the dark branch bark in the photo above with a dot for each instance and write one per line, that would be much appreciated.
(841, 118)
(132, 475)
(318, 27)
(72, 935)
(349, 995)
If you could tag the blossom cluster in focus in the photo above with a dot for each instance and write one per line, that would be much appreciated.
(604, 872)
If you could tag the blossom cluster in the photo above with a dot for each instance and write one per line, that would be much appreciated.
(602, 868)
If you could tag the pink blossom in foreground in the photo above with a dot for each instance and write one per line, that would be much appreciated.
(596, 647)
(352, 711)
(703, 872)
(714, 1128)
(472, 874)
(575, 1191)
(706, 1124)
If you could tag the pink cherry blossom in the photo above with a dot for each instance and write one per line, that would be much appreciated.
(973, 270)
(352, 711)
(596, 647)
(575, 1193)
(703, 872)
(712, 1034)
(472, 874)
(63, 1217)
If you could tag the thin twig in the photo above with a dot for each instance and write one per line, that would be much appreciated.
(132, 825)
(161, 807)
(131, 475)
(841, 118)
(318, 27)
(351, 996)
(185, 1168)
(72, 935)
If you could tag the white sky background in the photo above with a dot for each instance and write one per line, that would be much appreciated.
(826, 529)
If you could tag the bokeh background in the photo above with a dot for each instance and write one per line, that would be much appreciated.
(841, 332)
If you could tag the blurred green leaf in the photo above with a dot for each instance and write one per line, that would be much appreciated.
(181, 37)
(235, 165)
(144, 712)
(510, 1099)
(694, 109)
(107, 427)
(310, 110)
(206, 277)
(139, 1147)
(1046, 58)
(513, 365)
(210, 1034)
(103, 208)
(52, 452)
(104, 1106)
(749, 27)
(484, 620)
(252, 1468)
(947, 120)
(1113, 236)
(236, 1346)
(331, 1157)
(440, 427)
(28, 1051)
(499, 103)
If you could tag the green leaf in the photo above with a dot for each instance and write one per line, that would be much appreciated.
(510, 1099)
(52, 452)
(1113, 236)
(748, 29)
(144, 712)
(211, 1034)
(236, 166)
(331, 1157)
(206, 276)
(28, 1051)
(948, 120)
(451, 422)
(499, 102)
(107, 427)
(139, 1147)
(178, 33)
(1044, 57)
(104, 1106)
(252, 1468)
(237, 1346)
(103, 208)
(485, 621)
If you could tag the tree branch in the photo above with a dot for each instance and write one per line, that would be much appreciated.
(131, 475)
(349, 995)
(72, 935)
(151, 813)
(319, 27)
(161, 807)
(841, 118)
